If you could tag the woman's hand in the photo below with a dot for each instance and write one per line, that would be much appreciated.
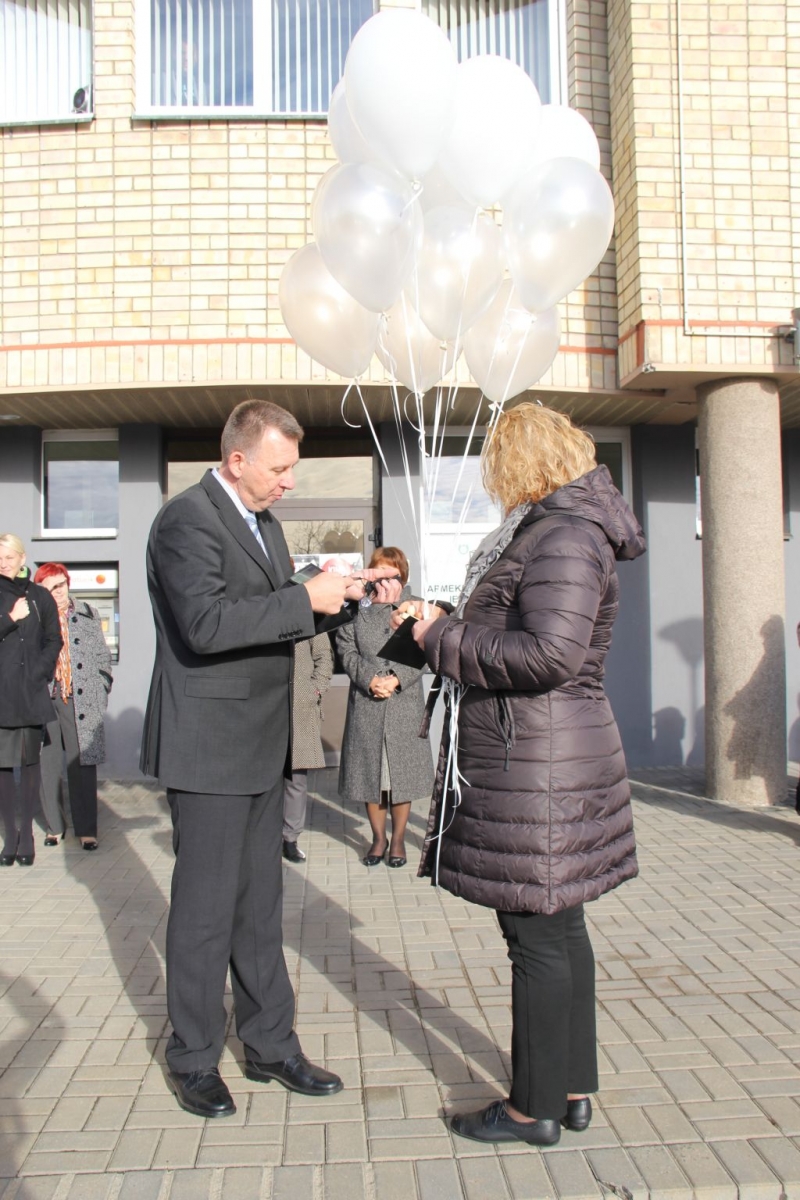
(423, 610)
(21, 610)
(382, 686)
(420, 628)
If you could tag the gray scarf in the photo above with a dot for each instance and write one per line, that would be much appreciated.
(488, 553)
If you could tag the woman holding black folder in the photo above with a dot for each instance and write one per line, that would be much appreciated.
(385, 764)
(531, 813)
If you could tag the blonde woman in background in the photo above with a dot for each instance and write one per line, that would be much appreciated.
(30, 641)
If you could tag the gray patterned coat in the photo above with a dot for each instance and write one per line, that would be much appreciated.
(370, 722)
(313, 667)
(91, 681)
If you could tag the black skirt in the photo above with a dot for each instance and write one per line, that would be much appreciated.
(20, 747)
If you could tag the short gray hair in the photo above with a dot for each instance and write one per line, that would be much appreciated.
(248, 423)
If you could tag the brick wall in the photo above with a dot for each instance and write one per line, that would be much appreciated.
(143, 252)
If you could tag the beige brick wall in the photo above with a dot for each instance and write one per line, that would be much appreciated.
(120, 232)
(741, 141)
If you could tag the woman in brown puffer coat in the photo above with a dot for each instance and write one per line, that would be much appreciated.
(536, 821)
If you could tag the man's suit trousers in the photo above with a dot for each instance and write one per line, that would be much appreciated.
(226, 910)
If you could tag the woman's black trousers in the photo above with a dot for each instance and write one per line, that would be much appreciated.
(553, 1040)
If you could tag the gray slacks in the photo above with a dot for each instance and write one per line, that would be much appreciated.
(81, 781)
(295, 803)
(226, 911)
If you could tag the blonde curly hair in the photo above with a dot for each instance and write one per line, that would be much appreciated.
(531, 452)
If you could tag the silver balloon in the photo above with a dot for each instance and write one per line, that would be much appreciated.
(410, 352)
(509, 349)
(459, 269)
(557, 225)
(324, 319)
(368, 227)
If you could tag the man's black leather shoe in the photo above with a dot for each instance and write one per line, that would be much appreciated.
(292, 852)
(493, 1124)
(202, 1092)
(297, 1074)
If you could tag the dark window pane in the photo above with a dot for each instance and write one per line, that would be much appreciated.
(610, 453)
(81, 485)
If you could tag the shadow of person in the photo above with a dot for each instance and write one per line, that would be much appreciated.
(697, 755)
(669, 728)
(22, 1011)
(716, 811)
(751, 746)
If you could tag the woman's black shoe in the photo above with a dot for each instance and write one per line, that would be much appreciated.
(373, 860)
(52, 839)
(579, 1115)
(89, 845)
(26, 860)
(7, 860)
(397, 861)
(493, 1124)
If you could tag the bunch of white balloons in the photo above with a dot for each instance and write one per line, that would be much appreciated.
(406, 261)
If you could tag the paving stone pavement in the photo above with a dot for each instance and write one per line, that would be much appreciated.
(405, 992)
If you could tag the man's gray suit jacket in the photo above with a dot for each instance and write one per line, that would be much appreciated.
(219, 711)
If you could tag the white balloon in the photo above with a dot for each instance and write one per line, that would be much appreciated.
(437, 191)
(346, 140)
(400, 82)
(459, 269)
(410, 352)
(509, 348)
(492, 139)
(368, 227)
(565, 133)
(558, 223)
(323, 318)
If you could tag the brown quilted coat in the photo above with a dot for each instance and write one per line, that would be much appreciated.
(545, 818)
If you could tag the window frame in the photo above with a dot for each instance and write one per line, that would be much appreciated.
(622, 434)
(261, 108)
(73, 118)
(72, 435)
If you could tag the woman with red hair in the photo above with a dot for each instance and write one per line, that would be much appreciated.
(79, 691)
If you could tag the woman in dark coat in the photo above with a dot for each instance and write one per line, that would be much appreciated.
(385, 764)
(80, 697)
(536, 820)
(30, 639)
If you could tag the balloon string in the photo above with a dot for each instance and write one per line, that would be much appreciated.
(453, 778)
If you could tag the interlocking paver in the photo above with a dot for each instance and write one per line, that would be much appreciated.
(405, 992)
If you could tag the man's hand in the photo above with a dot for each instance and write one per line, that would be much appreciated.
(388, 583)
(327, 592)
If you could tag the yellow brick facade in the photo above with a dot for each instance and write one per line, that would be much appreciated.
(148, 253)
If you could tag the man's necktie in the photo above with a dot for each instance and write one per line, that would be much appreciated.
(252, 525)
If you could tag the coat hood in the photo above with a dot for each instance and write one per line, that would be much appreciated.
(595, 498)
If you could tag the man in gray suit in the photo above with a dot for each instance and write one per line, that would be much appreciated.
(217, 732)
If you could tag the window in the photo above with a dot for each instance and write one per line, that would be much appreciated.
(243, 56)
(613, 448)
(526, 31)
(45, 60)
(80, 473)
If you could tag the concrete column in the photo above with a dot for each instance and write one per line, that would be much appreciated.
(743, 590)
(396, 521)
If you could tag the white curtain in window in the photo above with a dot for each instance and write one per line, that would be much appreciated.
(45, 56)
(514, 29)
(201, 53)
(310, 40)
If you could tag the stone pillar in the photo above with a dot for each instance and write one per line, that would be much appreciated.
(743, 590)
